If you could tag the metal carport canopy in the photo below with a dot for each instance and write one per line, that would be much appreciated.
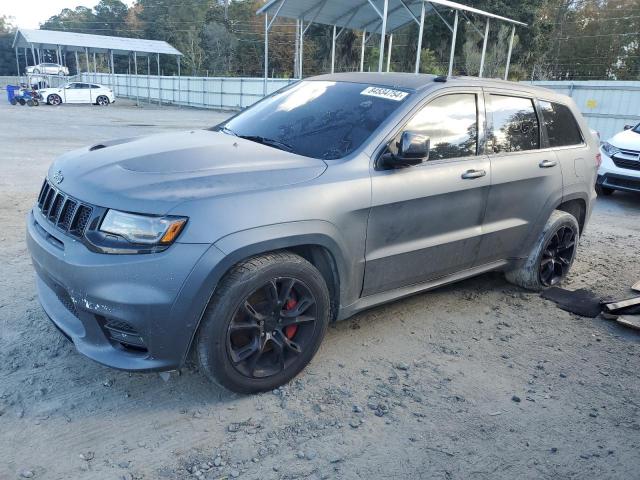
(373, 16)
(71, 41)
(361, 14)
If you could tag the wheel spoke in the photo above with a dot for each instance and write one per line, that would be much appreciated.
(271, 289)
(302, 306)
(299, 320)
(285, 290)
(262, 343)
(252, 312)
(243, 353)
(243, 327)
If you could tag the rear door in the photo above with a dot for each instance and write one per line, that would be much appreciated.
(426, 220)
(526, 178)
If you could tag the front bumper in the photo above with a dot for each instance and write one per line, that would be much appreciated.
(612, 176)
(159, 296)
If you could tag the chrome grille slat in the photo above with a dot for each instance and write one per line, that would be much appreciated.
(64, 212)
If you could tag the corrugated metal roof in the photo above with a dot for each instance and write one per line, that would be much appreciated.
(25, 38)
(361, 14)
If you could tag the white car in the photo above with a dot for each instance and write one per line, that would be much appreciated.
(48, 69)
(620, 167)
(78, 92)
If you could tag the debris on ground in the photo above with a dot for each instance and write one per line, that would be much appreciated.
(582, 302)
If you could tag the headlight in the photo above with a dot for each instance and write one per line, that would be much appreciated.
(609, 149)
(143, 229)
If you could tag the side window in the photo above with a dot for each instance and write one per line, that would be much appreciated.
(561, 125)
(515, 124)
(451, 122)
(95, 86)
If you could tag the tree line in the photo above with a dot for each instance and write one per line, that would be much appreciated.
(565, 39)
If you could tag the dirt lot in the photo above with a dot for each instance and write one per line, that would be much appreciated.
(473, 381)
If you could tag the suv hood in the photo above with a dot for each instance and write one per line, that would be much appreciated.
(629, 140)
(153, 174)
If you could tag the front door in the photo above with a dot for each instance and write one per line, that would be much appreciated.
(525, 178)
(426, 220)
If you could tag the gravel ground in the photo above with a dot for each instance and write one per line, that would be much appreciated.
(477, 380)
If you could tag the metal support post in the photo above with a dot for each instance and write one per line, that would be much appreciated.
(333, 50)
(383, 33)
(506, 70)
(484, 48)
(420, 32)
(453, 43)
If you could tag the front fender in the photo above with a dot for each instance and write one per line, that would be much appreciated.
(233, 248)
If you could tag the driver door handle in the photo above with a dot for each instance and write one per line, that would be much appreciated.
(547, 164)
(470, 174)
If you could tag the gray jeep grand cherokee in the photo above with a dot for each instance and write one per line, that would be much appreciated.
(241, 243)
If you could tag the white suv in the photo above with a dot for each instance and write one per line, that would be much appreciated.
(620, 168)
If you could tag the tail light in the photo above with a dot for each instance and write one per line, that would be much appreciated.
(598, 159)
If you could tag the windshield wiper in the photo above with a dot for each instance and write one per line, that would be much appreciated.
(268, 141)
(228, 131)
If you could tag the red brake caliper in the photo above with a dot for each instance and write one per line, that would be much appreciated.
(290, 330)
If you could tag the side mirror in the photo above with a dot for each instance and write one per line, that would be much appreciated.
(413, 149)
(628, 127)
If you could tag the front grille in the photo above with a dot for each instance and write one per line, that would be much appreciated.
(625, 163)
(66, 213)
(628, 159)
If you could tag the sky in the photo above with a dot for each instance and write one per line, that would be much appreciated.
(31, 14)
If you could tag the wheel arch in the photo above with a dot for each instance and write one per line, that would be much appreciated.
(576, 207)
(317, 241)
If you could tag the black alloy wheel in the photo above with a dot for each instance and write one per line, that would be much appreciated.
(272, 327)
(557, 256)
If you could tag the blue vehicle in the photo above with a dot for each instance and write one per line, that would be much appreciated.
(24, 95)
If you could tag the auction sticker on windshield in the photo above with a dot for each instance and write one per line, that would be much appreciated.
(388, 93)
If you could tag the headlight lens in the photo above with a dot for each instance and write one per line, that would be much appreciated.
(143, 229)
(609, 149)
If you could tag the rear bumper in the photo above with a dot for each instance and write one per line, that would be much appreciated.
(159, 296)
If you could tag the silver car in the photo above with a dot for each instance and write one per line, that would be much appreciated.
(47, 69)
(242, 242)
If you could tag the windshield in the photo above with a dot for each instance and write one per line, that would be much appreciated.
(319, 119)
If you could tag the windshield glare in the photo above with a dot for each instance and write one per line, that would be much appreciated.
(319, 119)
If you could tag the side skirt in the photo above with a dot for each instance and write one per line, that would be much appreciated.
(391, 295)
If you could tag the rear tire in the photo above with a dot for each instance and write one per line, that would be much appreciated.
(21, 101)
(13, 101)
(264, 323)
(604, 191)
(552, 255)
(102, 100)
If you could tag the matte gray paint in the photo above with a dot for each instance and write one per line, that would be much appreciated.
(389, 233)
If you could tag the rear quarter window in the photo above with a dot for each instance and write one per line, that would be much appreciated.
(515, 126)
(562, 127)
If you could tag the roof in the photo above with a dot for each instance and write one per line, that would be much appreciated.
(422, 81)
(361, 15)
(26, 38)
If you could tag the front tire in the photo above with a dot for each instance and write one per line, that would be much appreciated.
(264, 323)
(552, 255)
